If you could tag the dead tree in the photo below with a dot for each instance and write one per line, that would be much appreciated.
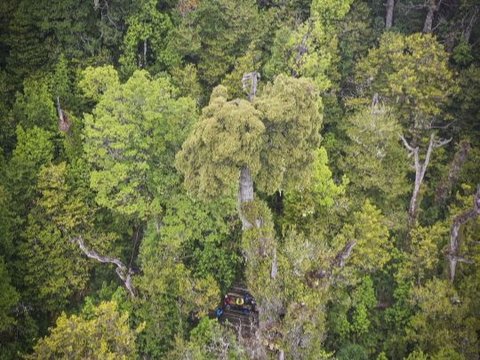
(389, 14)
(453, 250)
(420, 170)
(124, 273)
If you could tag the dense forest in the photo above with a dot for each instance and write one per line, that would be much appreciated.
(322, 154)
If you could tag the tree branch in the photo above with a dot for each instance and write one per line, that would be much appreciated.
(453, 250)
(343, 255)
(123, 272)
(407, 145)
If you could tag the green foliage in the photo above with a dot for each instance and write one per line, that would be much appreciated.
(34, 149)
(411, 74)
(104, 335)
(8, 298)
(249, 62)
(355, 37)
(203, 232)
(187, 82)
(234, 134)
(35, 106)
(6, 223)
(227, 137)
(353, 352)
(375, 162)
(465, 102)
(170, 293)
(53, 266)
(321, 198)
(96, 81)
(443, 323)
(324, 246)
(291, 113)
(214, 35)
(351, 316)
(291, 293)
(425, 243)
(370, 233)
(208, 340)
(130, 141)
(310, 49)
(417, 355)
(148, 30)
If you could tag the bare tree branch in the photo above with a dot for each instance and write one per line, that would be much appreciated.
(473, 19)
(420, 170)
(343, 255)
(338, 262)
(124, 273)
(407, 145)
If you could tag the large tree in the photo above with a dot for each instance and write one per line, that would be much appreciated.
(131, 139)
(272, 141)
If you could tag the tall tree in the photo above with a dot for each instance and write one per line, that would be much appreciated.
(272, 141)
(130, 141)
(146, 38)
(213, 34)
(411, 74)
(104, 333)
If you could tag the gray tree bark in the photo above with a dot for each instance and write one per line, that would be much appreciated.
(245, 195)
(123, 272)
(445, 187)
(432, 8)
(389, 14)
(420, 170)
(453, 251)
(471, 23)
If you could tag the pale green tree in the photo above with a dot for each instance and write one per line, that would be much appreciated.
(409, 73)
(130, 141)
(53, 267)
(271, 142)
(374, 160)
(103, 335)
(310, 49)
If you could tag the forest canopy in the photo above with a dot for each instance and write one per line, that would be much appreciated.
(240, 179)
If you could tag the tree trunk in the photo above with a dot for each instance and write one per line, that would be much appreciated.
(445, 187)
(433, 7)
(389, 14)
(454, 248)
(471, 23)
(427, 27)
(420, 170)
(245, 195)
(144, 53)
